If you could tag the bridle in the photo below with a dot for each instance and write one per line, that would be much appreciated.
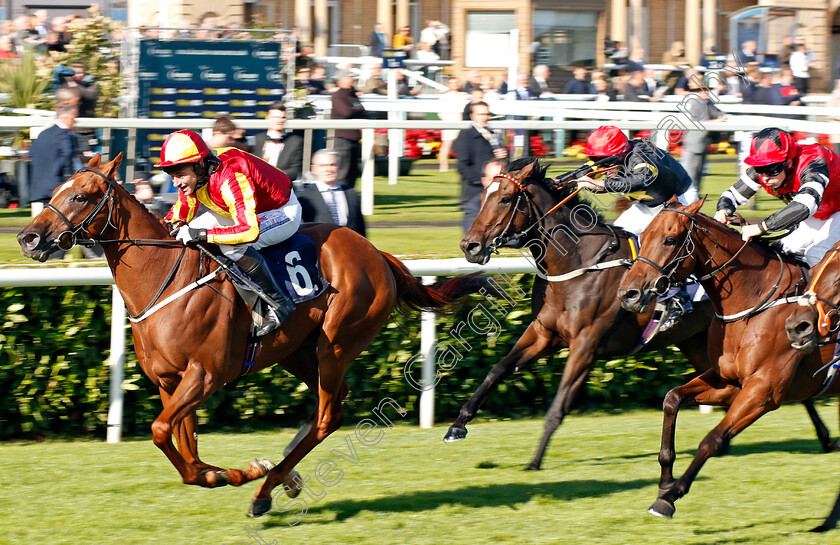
(663, 283)
(73, 231)
(828, 320)
(503, 238)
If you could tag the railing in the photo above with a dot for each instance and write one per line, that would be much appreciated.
(428, 269)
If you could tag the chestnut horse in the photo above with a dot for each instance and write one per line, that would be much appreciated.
(754, 368)
(579, 312)
(818, 319)
(197, 342)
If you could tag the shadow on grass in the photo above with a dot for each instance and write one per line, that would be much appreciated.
(471, 496)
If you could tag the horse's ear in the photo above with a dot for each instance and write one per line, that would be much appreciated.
(526, 171)
(695, 207)
(109, 169)
(94, 161)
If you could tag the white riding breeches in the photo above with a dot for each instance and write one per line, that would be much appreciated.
(636, 218)
(813, 238)
(275, 226)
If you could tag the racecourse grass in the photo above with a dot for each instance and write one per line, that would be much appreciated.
(599, 477)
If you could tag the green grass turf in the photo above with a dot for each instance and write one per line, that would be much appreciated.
(599, 477)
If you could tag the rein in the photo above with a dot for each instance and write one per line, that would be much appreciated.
(689, 246)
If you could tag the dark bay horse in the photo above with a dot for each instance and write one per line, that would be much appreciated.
(581, 312)
(754, 369)
(197, 343)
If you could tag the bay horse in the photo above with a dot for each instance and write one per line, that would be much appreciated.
(754, 368)
(197, 342)
(578, 311)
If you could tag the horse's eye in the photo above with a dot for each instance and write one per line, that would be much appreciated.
(80, 198)
(670, 241)
(505, 200)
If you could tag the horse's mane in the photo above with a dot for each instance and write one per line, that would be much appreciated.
(537, 177)
(766, 247)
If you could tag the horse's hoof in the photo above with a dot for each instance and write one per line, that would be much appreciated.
(263, 466)
(822, 528)
(834, 446)
(455, 434)
(292, 484)
(662, 508)
(533, 466)
(259, 507)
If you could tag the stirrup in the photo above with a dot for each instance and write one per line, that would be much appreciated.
(274, 317)
(677, 306)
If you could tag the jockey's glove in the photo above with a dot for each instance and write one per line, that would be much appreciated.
(189, 235)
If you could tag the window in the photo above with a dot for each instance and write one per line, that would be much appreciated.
(488, 38)
(566, 38)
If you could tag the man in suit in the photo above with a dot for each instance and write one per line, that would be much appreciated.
(278, 147)
(55, 157)
(326, 200)
(539, 82)
(346, 105)
(475, 147)
(377, 40)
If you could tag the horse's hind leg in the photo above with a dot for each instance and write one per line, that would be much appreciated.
(578, 366)
(534, 343)
(822, 431)
(745, 407)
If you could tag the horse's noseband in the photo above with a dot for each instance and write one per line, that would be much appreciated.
(70, 236)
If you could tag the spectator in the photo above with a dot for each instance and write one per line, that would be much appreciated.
(346, 105)
(749, 88)
(476, 96)
(318, 81)
(425, 53)
(306, 58)
(450, 100)
(686, 81)
(787, 88)
(809, 53)
(521, 91)
(799, 67)
(208, 22)
(224, 132)
(603, 89)
(376, 43)
(25, 37)
(302, 80)
(328, 201)
(429, 35)
(676, 55)
(492, 168)
(710, 59)
(473, 81)
(747, 53)
(787, 51)
(55, 157)
(375, 84)
(539, 81)
(475, 146)
(619, 53)
(87, 87)
(403, 40)
(578, 85)
(636, 62)
(58, 36)
(277, 146)
(7, 48)
(442, 44)
(695, 144)
(636, 89)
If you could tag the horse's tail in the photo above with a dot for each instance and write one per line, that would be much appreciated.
(416, 296)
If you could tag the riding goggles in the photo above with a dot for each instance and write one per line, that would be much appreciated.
(770, 170)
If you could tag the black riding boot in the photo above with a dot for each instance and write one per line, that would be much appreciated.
(253, 264)
(678, 305)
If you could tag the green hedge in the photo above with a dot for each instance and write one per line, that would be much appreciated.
(54, 372)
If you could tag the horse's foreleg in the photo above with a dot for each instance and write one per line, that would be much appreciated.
(534, 343)
(187, 437)
(831, 521)
(822, 431)
(578, 365)
(707, 386)
(748, 405)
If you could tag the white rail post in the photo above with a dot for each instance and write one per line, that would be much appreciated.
(427, 348)
(367, 171)
(117, 363)
(394, 135)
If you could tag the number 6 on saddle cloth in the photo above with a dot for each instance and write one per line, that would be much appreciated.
(295, 266)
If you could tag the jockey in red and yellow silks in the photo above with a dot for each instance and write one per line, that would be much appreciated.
(242, 188)
(251, 205)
